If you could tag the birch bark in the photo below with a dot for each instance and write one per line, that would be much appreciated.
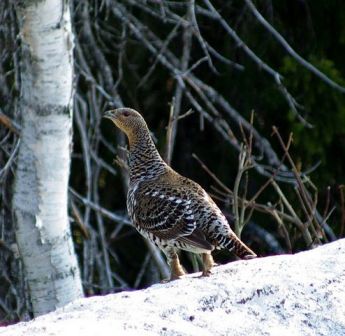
(41, 184)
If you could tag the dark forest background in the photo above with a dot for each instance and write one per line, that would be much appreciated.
(152, 55)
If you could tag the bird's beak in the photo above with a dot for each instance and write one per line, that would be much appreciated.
(109, 114)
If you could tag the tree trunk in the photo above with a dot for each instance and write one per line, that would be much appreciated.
(40, 190)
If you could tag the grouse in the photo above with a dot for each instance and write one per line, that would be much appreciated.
(172, 211)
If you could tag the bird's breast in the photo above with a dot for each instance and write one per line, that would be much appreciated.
(131, 199)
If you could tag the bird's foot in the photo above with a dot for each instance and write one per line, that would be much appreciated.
(208, 263)
(165, 281)
(173, 277)
(176, 277)
(205, 273)
(250, 256)
(176, 269)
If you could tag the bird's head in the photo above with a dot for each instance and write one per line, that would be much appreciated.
(126, 119)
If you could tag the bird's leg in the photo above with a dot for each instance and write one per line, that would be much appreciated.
(174, 263)
(208, 263)
(176, 268)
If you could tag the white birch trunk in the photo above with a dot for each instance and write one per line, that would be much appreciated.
(41, 185)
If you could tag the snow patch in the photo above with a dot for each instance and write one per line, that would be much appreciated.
(285, 295)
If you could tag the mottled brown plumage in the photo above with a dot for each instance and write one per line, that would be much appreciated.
(172, 211)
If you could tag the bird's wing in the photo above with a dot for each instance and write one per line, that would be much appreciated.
(163, 210)
(166, 211)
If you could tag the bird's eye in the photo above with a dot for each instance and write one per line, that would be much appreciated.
(126, 114)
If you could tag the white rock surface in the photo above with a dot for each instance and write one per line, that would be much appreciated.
(303, 294)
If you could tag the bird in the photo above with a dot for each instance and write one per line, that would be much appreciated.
(172, 211)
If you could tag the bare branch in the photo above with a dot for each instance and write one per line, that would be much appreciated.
(185, 59)
(172, 64)
(251, 54)
(10, 159)
(10, 124)
(291, 51)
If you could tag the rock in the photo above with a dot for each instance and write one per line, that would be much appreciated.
(301, 294)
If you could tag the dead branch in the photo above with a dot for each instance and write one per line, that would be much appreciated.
(290, 50)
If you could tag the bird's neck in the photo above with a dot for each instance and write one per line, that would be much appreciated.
(145, 163)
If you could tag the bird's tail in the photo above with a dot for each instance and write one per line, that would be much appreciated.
(235, 245)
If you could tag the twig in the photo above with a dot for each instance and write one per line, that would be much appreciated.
(208, 171)
(304, 230)
(10, 124)
(273, 176)
(199, 36)
(302, 189)
(283, 228)
(84, 230)
(157, 257)
(10, 159)
(142, 270)
(104, 212)
(177, 101)
(102, 234)
(172, 64)
(165, 45)
(276, 75)
(291, 51)
(100, 162)
(243, 166)
(168, 148)
(328, 196)
(223, 59)
(79, 107)
(172, 120)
